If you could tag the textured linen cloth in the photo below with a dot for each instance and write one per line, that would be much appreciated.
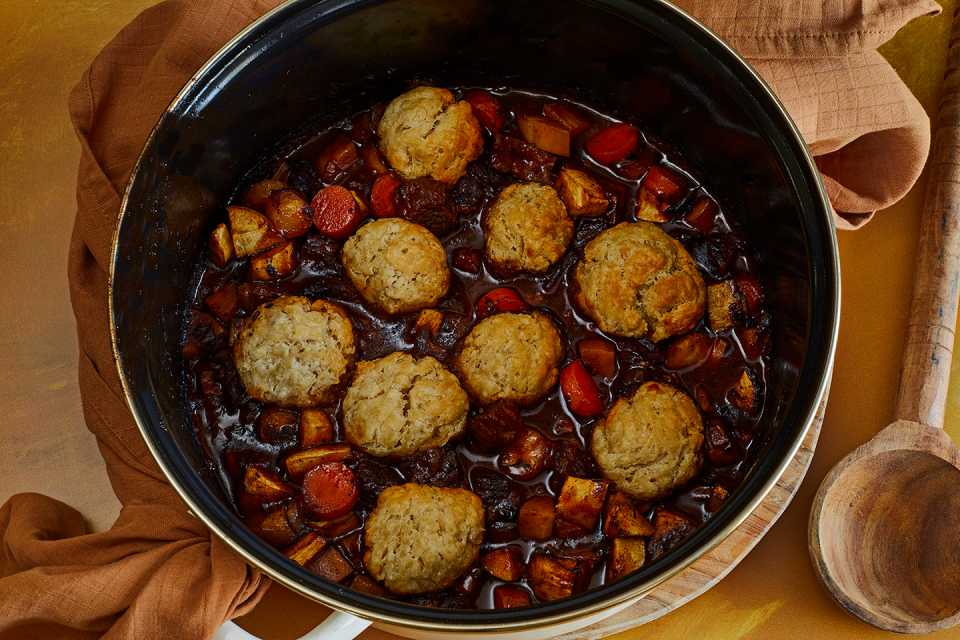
(158, 572)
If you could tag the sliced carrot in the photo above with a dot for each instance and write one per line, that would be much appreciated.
(502, 299)
(487, 109)
(612, 144)
(336, 212)
(381, 195)
(599, 356)
(662, 183)
(580, 391)
(330, 490)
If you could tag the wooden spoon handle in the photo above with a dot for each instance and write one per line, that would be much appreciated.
(925, 373)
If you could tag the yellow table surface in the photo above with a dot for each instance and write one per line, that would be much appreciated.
(773, 593)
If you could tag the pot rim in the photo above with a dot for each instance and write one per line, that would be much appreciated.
(595, 600)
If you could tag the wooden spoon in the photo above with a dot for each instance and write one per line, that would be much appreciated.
(884, 530)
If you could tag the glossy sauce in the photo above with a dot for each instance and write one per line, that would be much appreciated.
(226, 418)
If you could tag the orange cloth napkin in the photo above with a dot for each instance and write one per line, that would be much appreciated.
(158, 572)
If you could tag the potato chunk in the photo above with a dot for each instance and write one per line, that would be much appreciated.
(537, 516)
(298, 463)
(626, 555)
(315, 428)
(579, 505)
(555, 578)
(622, 519)
(582, 195)
(265, 486)
(306, 548)
(276, 263)
(545, 133)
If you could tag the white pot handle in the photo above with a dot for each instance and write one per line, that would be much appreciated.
(337, 626)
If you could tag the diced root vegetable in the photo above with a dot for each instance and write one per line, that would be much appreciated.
(753, 340)
(613, 144)
(221, 246)
(486, 109)
(256, 196)
(670, 529)
(337, 212)
(578, 507)
(621, 518)
(662, 183)
(331, 565)
(568, 116)
(330, 489)
(306, 548)
(506, 596)
(251, 232)
(626, 556)
(224, 303)
(688, 350)
(374, 159)
(580, 391)
(337, 526)
(300, 462)
(746, 394)
(752, 293)
(599, 356)
(649, 208)
(537, 516)
(201, 329)
(544, 133)
(265, 485)
(276, 263)
(582, 195)
(429, 320)
(636, 168)
(275, 528)
(555, 578)
(381, 195)
(497, 300)
(315, 428)
(367, 585)
(288, 212)
(703, 215)
(505, 563)
(334, 161)
(724, 305)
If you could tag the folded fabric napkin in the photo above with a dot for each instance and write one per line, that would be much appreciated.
(158, 572)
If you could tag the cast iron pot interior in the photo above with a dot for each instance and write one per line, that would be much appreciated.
(310, 59)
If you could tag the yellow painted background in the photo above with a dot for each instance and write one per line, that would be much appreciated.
(44, 446)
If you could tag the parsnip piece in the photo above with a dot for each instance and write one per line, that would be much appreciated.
(299, 462)
(649, 207)
(331, 565)
(315, 428)
(265, 485)
(221, 245)
(336, 527)
(582, 195)
(251, 232)
(746, 395)
(276, 263)
(305, 549)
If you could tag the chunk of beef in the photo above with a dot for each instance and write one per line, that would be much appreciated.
(303, 176)
(373, 477)
(426, 202)
(521, 160)
(480, 184)
(437, 467)
(570, 459)
(498, 426)
(501, 497)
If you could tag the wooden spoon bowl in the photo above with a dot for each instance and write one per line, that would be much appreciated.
(885, 535)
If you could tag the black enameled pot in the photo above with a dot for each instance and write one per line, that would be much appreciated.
(310, 59)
